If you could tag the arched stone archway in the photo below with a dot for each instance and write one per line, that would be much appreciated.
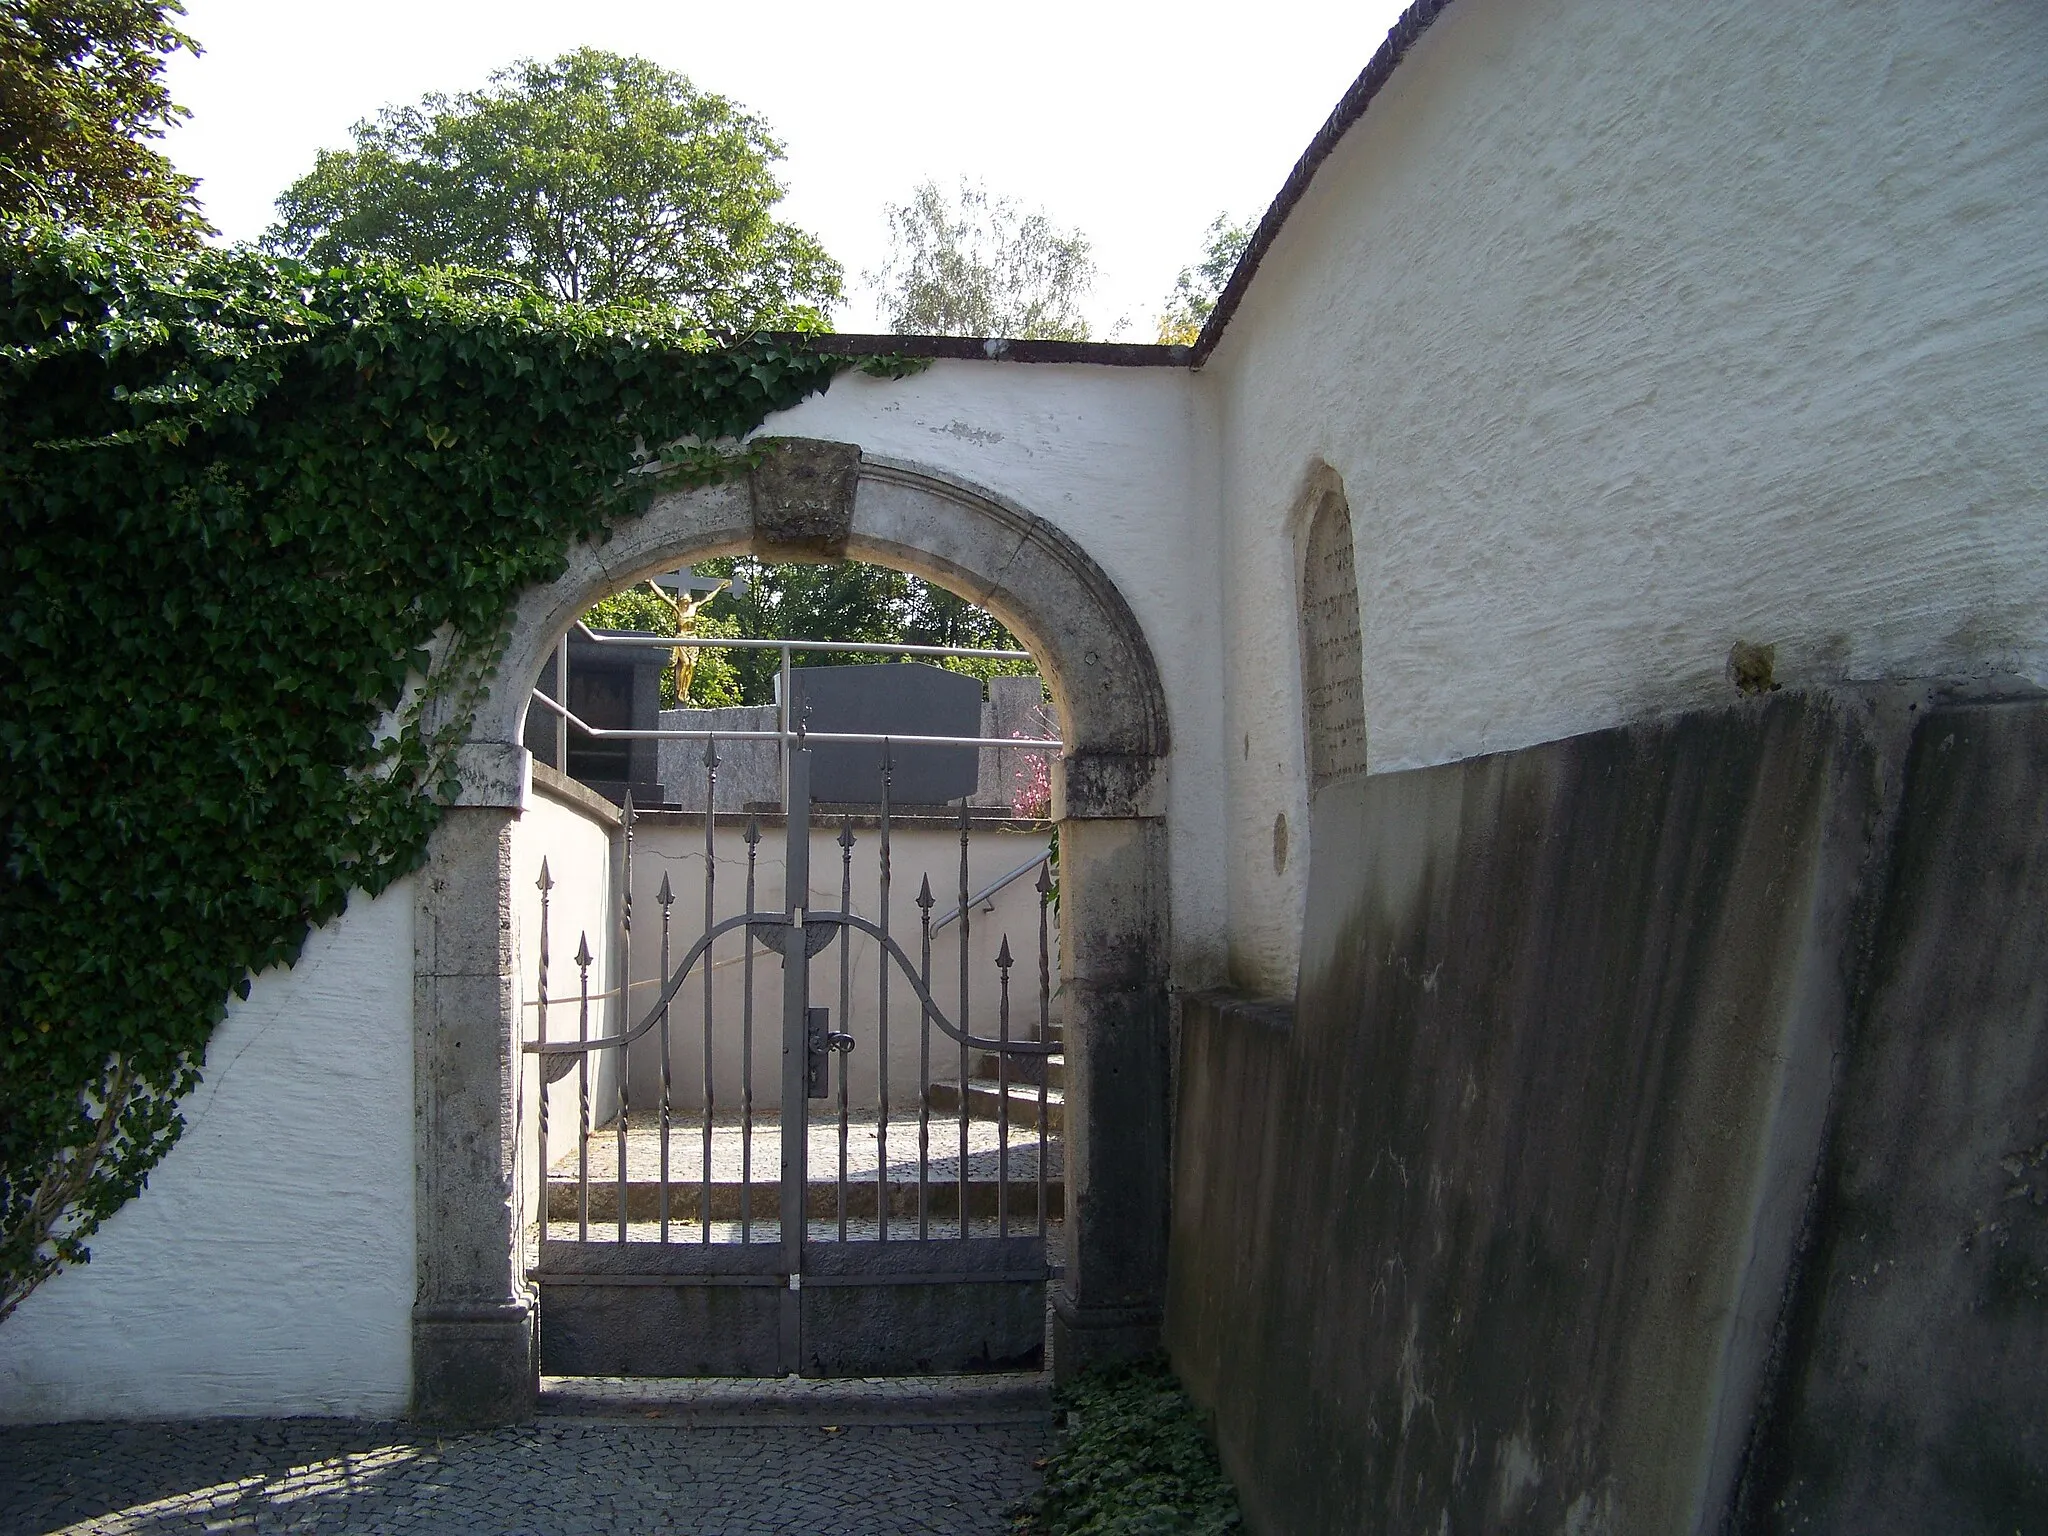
(473, 1324)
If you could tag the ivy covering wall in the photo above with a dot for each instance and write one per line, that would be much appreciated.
(251, 514)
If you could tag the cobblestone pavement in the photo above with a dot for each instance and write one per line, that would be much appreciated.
(556, 1475)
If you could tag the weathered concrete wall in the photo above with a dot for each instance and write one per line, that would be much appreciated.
(269, 1267)
(1914, 1392)
(1497, 1229)
(1632, 330)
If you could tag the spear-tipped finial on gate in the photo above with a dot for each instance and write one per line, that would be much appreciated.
(753, 832)
(546, 882)
(711, 752)
(583, 951)
(1003, 960)
(924, 895)
(626, 808)
(1045, 879)
(846, 833)
(888, 758)
(665, 896)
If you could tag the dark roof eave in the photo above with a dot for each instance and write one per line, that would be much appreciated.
(991, 349)
(1400, 38)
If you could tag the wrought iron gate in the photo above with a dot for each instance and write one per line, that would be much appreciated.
(695, 1272)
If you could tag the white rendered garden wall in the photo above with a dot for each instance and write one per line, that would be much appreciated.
(1634, 330)
(268, 1267)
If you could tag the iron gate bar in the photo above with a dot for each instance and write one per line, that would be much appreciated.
(882, 1014)
(793, 1214)
(583, 1091)
(710, 921)
(924, 1064)
(667, 898)
(846, 841)
(965, 924)
(1044, 1026)
(1003, 963)
(753, 837)
(625, 972)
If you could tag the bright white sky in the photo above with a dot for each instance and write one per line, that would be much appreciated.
(1136, 122)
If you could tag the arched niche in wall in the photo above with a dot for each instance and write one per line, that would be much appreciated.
(1332, 651)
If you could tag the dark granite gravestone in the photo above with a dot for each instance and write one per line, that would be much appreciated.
(613, 688)
(893, 699)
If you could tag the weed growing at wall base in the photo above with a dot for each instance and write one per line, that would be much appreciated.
(1133, 1461)
(260, 526)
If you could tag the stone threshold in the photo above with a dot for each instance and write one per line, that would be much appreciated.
(1021, 1397)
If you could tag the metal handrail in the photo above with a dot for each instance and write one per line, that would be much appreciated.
(621, 733)
(983, 895)
(851, 647)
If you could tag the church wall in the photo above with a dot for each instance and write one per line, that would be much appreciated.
(268, 1269)
(1631, 331)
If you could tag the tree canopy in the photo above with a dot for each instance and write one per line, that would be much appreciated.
(595, 178)
(978, 266)
(80, 96)
(1198, 287)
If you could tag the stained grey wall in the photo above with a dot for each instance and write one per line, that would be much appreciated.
(1640, 1151)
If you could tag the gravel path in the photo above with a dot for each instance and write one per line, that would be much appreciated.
(557, 1475)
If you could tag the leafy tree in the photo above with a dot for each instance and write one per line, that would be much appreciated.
(80, 95)
(979, 267)
(595, 178)
(1198, 287)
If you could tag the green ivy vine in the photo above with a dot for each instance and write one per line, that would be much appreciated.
(253, 515)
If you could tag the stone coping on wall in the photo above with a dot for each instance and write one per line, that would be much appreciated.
(564, 790)
(825, 817)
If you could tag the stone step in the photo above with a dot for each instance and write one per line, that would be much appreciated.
(1024, 1069)
(643, 1199)
(985, 1097)
(739, 1402)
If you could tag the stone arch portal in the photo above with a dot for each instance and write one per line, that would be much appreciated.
(473, 1320)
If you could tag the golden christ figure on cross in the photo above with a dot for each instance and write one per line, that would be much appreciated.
(683, 658)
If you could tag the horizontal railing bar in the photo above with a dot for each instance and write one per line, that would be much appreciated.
(779, 1282)
(850, 647)
(987, 891)
(546, 1277)
(621, 733)
(962, 1277)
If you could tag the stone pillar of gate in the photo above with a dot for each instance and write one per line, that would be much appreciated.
(1113, 966)
(473, 1320)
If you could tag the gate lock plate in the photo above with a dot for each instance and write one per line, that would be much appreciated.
(819, 1043)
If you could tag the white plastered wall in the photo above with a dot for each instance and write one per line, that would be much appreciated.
(1633, 330)
(1115, 458)
(268, 1269)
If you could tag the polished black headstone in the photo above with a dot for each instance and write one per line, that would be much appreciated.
(892, 699)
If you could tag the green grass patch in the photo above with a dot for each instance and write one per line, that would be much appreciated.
(1133, 1459)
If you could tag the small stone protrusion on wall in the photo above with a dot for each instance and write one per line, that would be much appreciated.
(1753, 668)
